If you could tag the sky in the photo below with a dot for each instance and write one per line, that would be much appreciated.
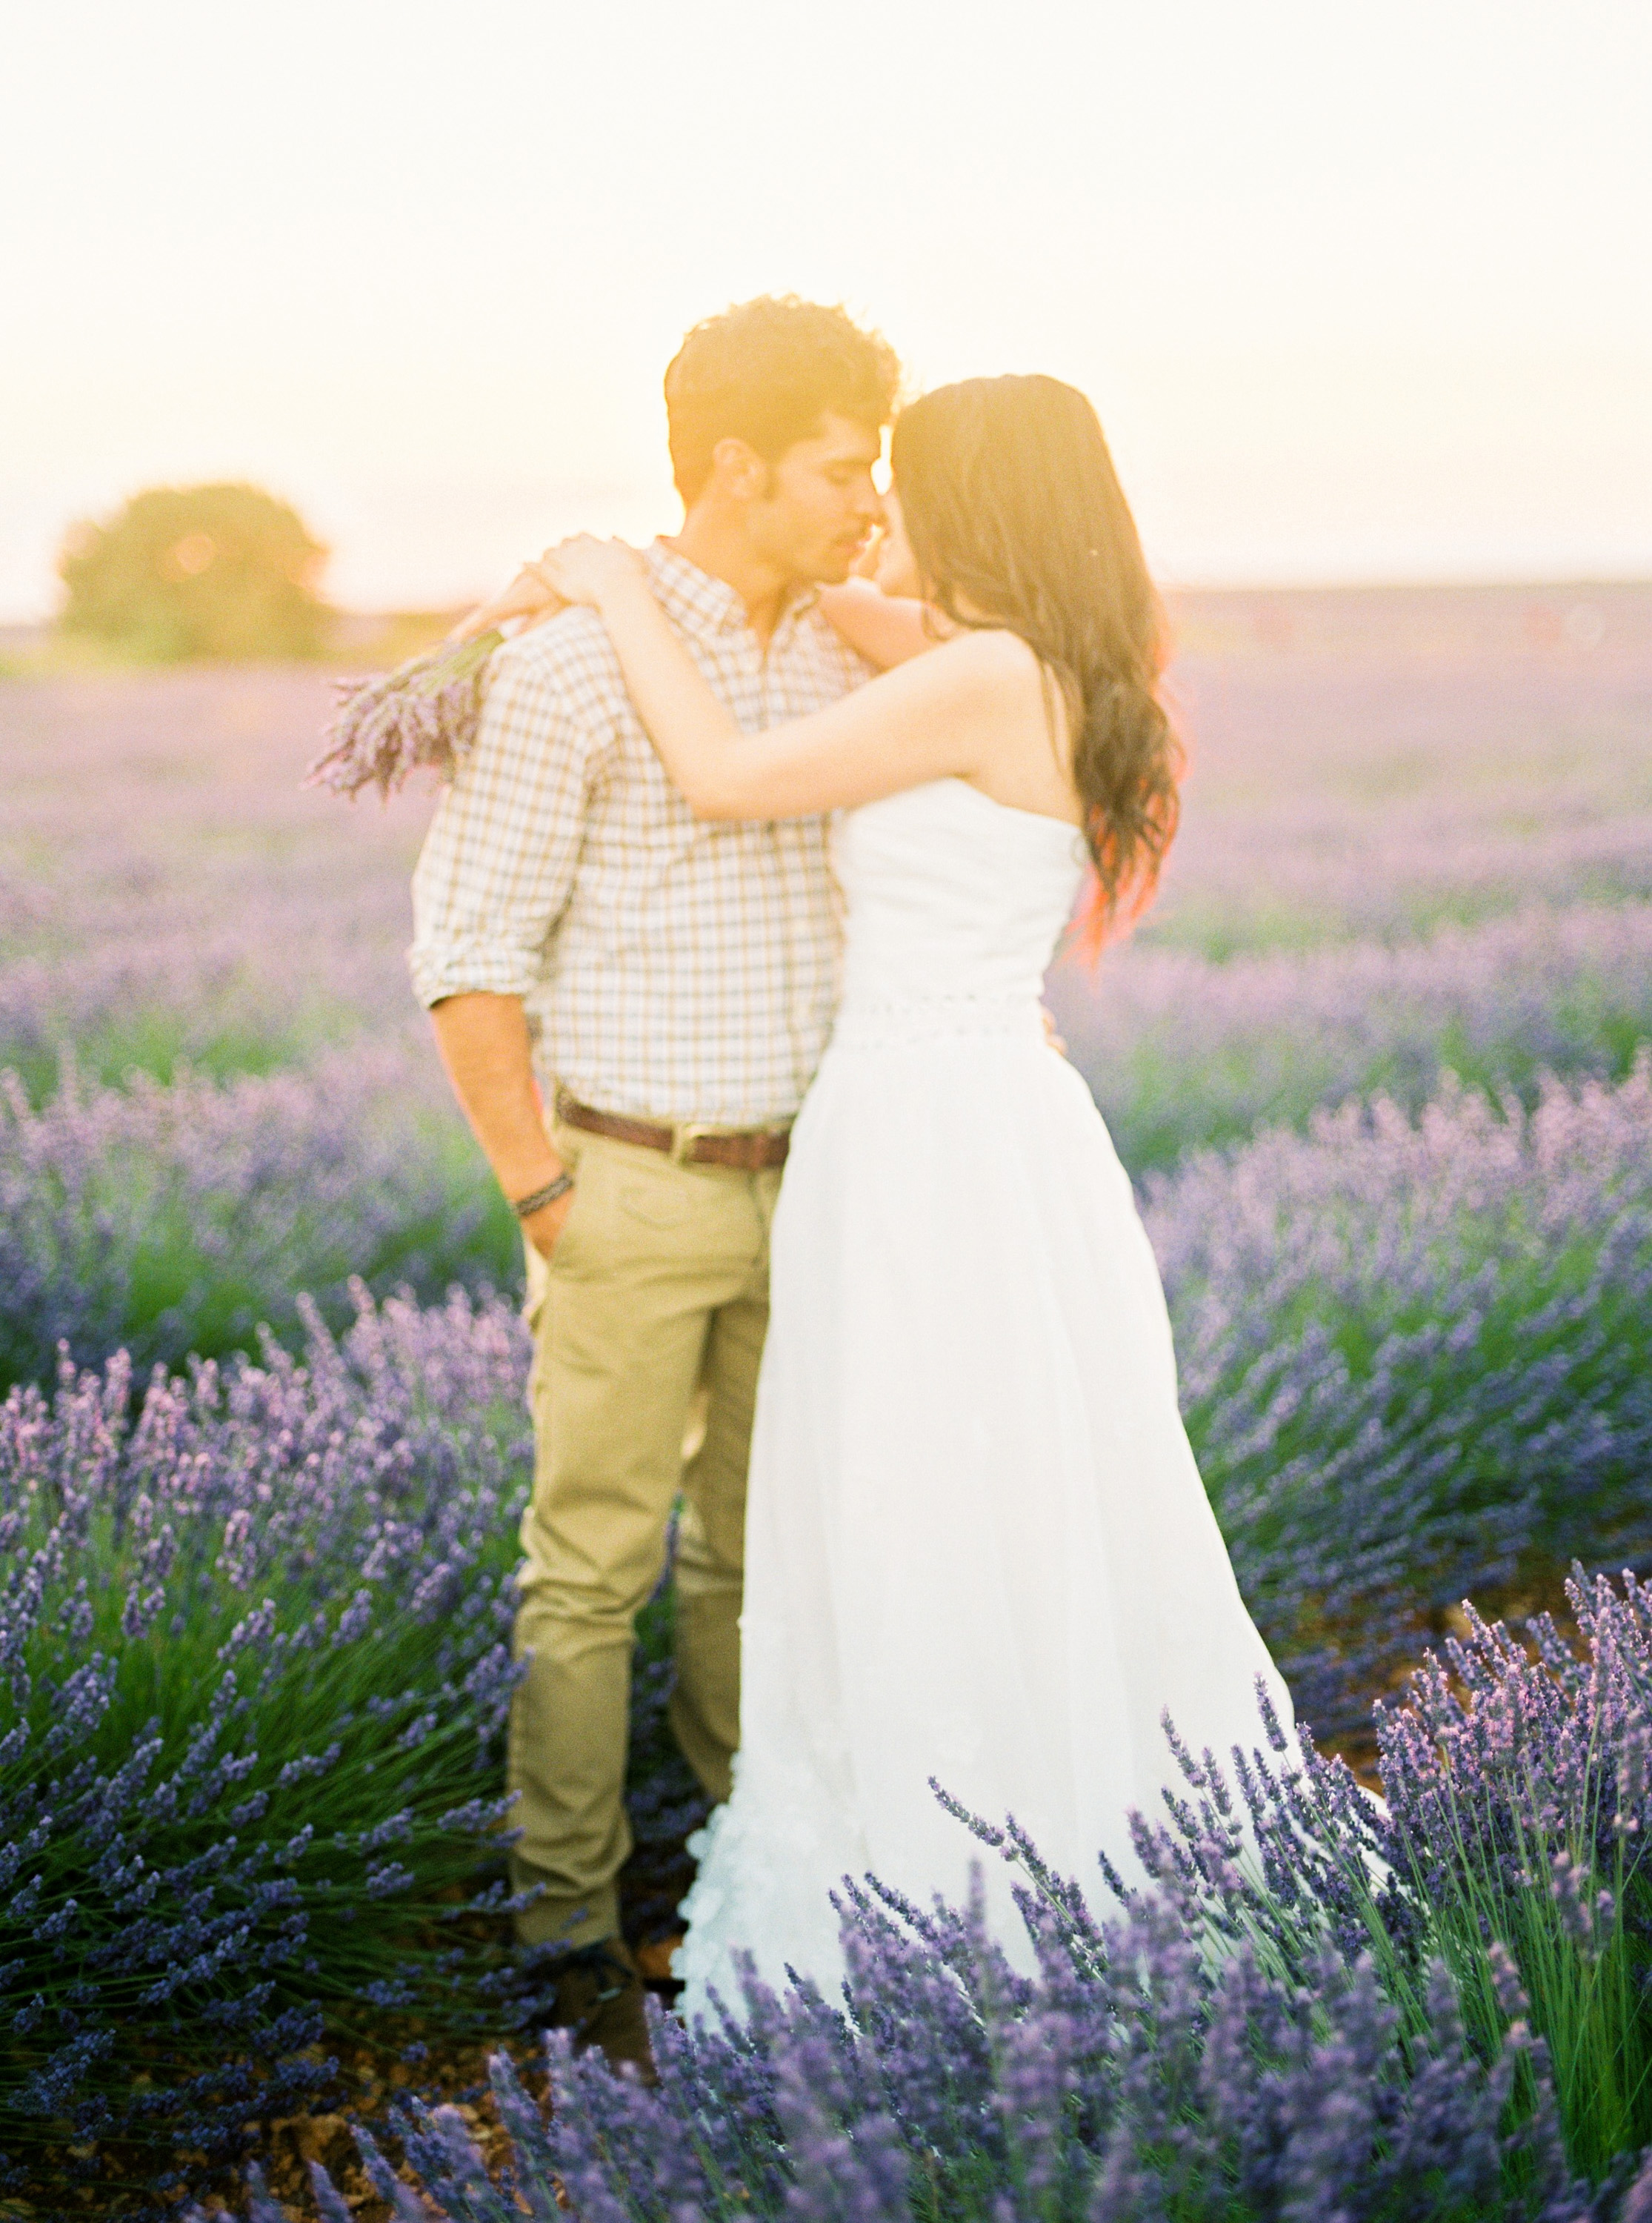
(1360, 293)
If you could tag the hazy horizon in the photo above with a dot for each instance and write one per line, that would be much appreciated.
(1360, 302)
(1175, 590)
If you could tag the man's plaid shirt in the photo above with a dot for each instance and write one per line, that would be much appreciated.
(669, 969)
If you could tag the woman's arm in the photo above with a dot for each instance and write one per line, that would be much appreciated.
(527, 597)
(886, 629)
(934, 717)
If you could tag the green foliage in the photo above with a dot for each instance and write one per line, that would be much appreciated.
(1517, 1774)
(221, 571)
(1585, 1979)
(228, 1031)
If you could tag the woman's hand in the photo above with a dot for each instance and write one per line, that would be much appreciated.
(585, 569)
(529, 595)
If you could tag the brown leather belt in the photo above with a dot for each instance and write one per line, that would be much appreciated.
(746, 1149)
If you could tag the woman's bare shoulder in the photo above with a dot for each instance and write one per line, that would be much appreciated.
(983, 656)
(991, 675)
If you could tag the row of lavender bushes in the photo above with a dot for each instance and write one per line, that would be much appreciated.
(253, 1634)
(1413, 1352)
(183, 1220)
(1415, 1362)
(1416, 1358)
(1430, 2013)
(1182, 1053)
(253, 1666)
(250, 1150)
(203, 1001)
(1295, 875)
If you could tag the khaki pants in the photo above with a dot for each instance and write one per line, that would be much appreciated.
(659, 1283)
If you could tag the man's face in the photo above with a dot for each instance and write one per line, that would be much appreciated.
(821, 505)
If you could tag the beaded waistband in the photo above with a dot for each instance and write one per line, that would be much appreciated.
(870, 1023)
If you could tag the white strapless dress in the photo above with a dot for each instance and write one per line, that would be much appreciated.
(977, 1547)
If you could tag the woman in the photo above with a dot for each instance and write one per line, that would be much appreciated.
(977, 1545)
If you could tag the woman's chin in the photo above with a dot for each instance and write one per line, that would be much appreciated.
(896, 576)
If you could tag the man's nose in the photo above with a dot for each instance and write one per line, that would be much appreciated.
(871, 505)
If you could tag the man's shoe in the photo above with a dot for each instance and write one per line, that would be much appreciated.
(600, 1999)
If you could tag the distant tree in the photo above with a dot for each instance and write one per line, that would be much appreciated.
(203, 571)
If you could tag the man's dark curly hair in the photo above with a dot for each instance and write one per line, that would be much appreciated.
(766, 373)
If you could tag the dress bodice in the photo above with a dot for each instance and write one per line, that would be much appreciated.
(955, 903)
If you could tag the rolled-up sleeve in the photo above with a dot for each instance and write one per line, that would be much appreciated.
(498, 863)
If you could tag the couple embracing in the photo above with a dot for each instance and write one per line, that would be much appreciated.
(732, 925)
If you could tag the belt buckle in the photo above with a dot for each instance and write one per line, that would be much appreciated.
(683, 1138)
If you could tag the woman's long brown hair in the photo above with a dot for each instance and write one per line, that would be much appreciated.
(1014, 509)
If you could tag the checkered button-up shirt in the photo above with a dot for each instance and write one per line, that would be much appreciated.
(669, 969)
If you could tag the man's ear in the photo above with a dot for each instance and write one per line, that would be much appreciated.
(739, 471)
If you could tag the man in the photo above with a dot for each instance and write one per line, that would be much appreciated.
(672, 985)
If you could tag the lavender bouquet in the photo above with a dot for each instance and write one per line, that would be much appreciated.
(424, 711)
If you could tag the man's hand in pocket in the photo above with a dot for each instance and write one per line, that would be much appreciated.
(544, 1228)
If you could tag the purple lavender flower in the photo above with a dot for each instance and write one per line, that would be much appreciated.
(422, 714)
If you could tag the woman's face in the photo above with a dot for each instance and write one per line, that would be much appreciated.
(895, 571)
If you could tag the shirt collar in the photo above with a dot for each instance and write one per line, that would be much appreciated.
(702, 605)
